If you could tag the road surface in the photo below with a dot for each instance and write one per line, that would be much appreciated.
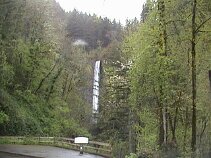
(36, 151)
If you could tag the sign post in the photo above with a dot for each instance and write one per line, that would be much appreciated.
(81, 141)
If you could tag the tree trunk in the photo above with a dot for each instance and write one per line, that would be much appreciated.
(163, 52)
(210, 79)
(161, 129)
(132, 134)
(42, 81)
(193, 68)
(186, 128)
(70, 87)
(53, 84)
(173, 124)
(64, 89)
(164, 112)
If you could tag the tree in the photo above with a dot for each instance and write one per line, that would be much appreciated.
(161, 72)
(193, 67)
(33, 65)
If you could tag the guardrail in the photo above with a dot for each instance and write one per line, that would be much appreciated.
(98, 148)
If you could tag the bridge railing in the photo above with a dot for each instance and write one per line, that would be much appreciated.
(93, 147)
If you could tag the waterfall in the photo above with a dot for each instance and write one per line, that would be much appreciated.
(96, 87)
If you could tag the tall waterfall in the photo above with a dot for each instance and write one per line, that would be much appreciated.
(96, 87)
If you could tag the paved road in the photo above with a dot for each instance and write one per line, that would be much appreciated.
(36, 151)
(9, 155)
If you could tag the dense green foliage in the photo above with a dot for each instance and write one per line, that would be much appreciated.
(168, 107)
(45, 84)
(96, 31)
(155, 87)
(161, 78)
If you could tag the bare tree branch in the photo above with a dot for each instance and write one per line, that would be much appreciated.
(197, 29)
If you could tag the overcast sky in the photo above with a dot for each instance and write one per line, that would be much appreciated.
(113, 9)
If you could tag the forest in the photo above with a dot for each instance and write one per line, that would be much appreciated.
(155, 88)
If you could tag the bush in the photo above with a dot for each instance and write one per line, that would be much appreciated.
(132, 155)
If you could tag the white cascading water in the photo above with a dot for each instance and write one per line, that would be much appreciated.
(96, 87)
